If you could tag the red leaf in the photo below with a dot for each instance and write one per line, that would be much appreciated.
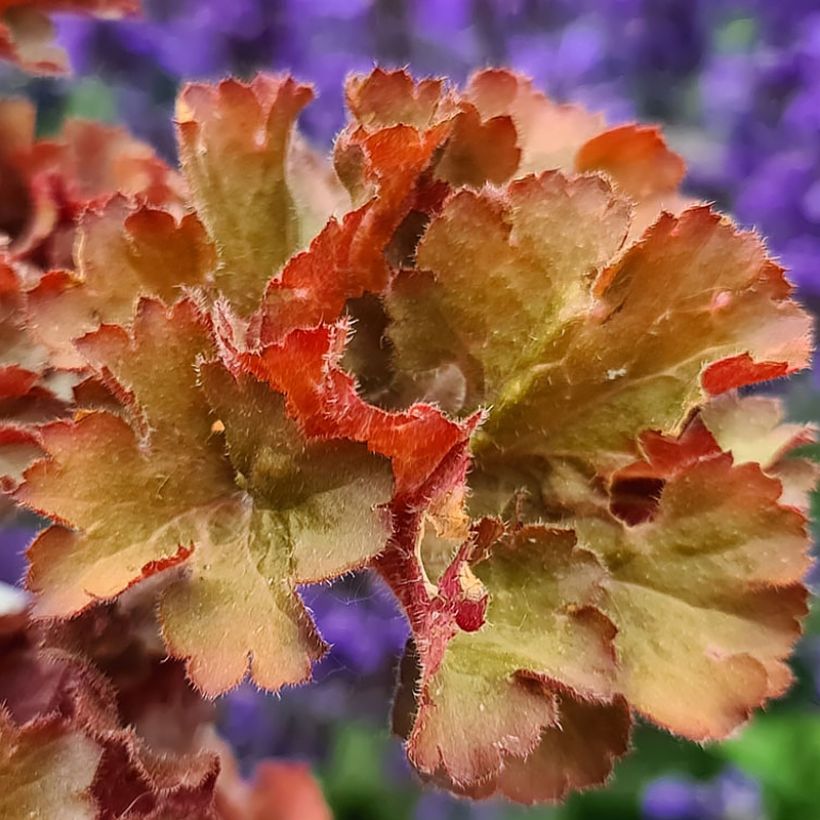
(740, 371)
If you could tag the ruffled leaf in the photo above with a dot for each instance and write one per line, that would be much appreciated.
(50, 693)
(559, 344)
(640, 165)
(578, 754)
(549, 133)
(249, 522)
(490, 702)
(17, 124)
(153, 255)
(707, 593)
(555, 136)
(752, 429)
(314, 286)
(306, 369)
(46, 184)
(475, 149)
(407, 143)
(493, 301)
(234, 142)
(647, 540)
(132, 781)
(22, 360)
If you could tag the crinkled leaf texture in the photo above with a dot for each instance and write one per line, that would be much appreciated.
(258, 192)
(206, 470)
(578, 344)
(592, 315)
(46, 186)
(95, 201)
(507, 377)
(493, 704)
(152, 252)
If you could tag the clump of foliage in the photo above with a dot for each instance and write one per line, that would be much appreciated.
(491, 353)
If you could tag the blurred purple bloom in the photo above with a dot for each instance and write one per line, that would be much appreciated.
(735, 796)
(781, 21)
(360, 620)
(671, 798)
(112, 48)
(730, 796)
(435, 805)
(13, 543)
(321, 42)
(763, 101)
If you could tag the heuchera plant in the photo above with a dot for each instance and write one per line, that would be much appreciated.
(491, 352)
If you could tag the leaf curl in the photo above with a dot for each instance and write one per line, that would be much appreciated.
(156, 489)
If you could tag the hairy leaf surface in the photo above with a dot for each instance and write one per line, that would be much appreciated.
(158, 489)
(234, 141)
(707, 594)
(152, 253)
(606, 526)
(577, 349)
(46, 184)
(495, 698)
(555, 136)
(46, 770)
